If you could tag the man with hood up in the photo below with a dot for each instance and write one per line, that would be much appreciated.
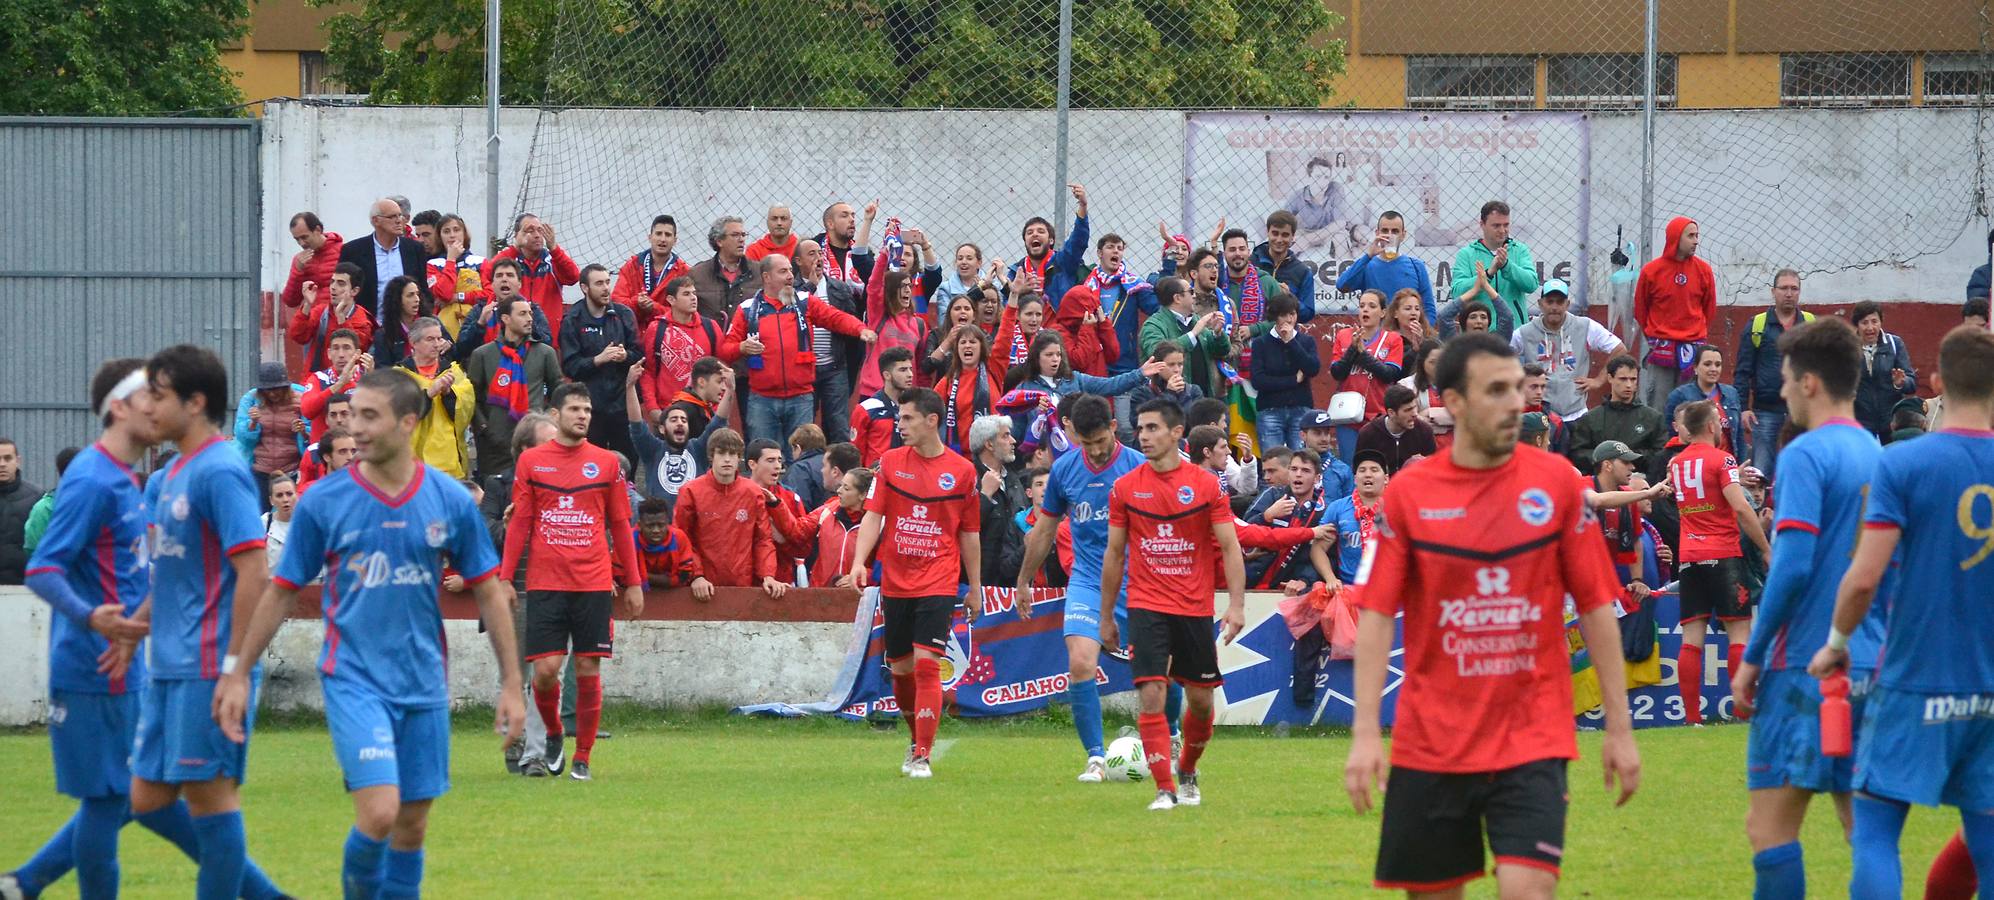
(1675, 302)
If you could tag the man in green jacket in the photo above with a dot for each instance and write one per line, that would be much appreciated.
(1202, 338)
(1496, 270)
(1621, 418)
(520, 360)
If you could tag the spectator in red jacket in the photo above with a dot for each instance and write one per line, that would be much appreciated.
(315, 321)
(771, 331)
(667, 553)
(726, 519)
(837, 530)
(779, 239)
(876, 420)
(786, 515)
(547, 267)
(317, 255)
(335, 380)
(1090, 339)
(673, 342)
(645, 277)
(1675, 302)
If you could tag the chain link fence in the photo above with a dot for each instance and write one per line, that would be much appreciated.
(1842, 138)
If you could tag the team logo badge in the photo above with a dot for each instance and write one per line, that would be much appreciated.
(589, 470)
(1185, 495)
(1534, 505)
(946, 480)
(436, 534)
(383, 736)
(1681, 278)
(740, 515)
(504, 379)
(181, 508)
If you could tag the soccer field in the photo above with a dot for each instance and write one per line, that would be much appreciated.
(702, 805)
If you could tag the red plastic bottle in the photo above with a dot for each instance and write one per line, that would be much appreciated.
(1836, 741)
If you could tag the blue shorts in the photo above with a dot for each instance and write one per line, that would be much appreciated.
(378, 742)
(178, 741)
(1784, 749)
(1083, 612)
(1928, 749)
(91, 736)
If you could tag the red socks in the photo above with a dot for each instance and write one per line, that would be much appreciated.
(927, 704)
(1197, 733)
(1735, 657)
(1689, 680)
(1952, 876)
(588, 714)
(903, 695)
(549, 702)
(1155, 731)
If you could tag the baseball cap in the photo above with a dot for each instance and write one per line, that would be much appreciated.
(1613, 450)
(1317, 418)
(1535, 423)
(1364, 456)
(1555, 286)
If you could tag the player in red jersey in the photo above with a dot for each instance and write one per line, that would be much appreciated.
(570, 500)
(1170, 524)
(1715, 511)
(1478, 548)
(924, 516)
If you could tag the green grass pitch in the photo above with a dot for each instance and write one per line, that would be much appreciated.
(704, 804)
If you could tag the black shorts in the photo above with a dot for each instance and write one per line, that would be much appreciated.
(1714, 587)
(1180, 648)
(1435, 821)
(916, 622)
(557, 620)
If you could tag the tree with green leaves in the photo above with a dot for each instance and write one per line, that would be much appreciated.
(118, 57)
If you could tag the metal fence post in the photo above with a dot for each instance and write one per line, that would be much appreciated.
(492, 123)
(1648, 138)
(1065, 98)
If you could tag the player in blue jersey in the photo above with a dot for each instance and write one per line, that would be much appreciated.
(1819, 500)
(383, 529)
(91, 568)
(1928, 725)
(207, 566)
(1077, 491)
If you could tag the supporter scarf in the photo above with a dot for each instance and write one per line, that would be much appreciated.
(1367, 517)
(1122, 278)
(1029, 266)
(651, 275)
(894, 246)
(1252, 303)
(952, 416)
(1020, 346)
(1304, 516)
(835, 267)
(508, 388)
(540, 269)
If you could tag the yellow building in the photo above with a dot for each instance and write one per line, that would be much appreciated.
(1538, 54)
(283, 53)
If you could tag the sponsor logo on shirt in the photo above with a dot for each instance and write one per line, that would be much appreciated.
(1487, 634)
(1958, 707)
(1535, 506)
(1084, 512)
(375, 569)
(1442, 515)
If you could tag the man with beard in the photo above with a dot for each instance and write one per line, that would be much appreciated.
(668, 462)
(512, 376)
(1048, 272)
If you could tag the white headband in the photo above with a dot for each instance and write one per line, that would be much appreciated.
(124, 390)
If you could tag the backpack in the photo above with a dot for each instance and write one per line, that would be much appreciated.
(1759, 325)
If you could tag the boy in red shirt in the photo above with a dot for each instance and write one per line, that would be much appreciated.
(568, 497)
(925, 517)
(1169, 523)
(726, 517)
(1715, 514)
(668, 558)
(1478, 548)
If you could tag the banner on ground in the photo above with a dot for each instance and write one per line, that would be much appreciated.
(1004, 665)
(1337, 171)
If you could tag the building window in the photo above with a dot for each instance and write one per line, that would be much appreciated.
(1956, 79)
(315, 77)
(1471, 82)
(1606, 81)
(1845, 79)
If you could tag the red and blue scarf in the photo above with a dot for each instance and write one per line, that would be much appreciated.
(508, 389)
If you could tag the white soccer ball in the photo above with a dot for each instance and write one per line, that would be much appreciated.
(1126, 761)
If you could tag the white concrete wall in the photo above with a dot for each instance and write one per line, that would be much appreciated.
(658, 663)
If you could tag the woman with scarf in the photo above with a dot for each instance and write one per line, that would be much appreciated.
(966, 386)
(1022, 321)
(889, 309)
(1090, 338)
(1365, 359)
(403, 303)
(934, 359)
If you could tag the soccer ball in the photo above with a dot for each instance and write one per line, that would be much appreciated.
(1126, 761)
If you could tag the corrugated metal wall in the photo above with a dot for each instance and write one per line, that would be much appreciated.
(121, 236)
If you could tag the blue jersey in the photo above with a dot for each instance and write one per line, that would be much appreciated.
(1342, 512)
(1936, 489)
(1823, 477)
(96, 542)
(1078, 491)
(204, 511)
(383, 559)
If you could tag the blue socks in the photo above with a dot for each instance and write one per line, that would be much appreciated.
(1879, 872)
(363, 872)
(1086, 696)
(95, 843)
(404, 874)
(1173, 708)
(1781, 876)
(52, 861)
(224, 855)
(176, 825)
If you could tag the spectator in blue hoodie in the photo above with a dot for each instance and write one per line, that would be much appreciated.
(1276, 257)
(1049, 272)
(1382, 268)
(1284, 360)
(1978, 284)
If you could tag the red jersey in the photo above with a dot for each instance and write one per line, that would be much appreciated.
(1170, 517)
(925, 503)
(564, 499)
(1709, 527)
(728, 525)
(1480, 561)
